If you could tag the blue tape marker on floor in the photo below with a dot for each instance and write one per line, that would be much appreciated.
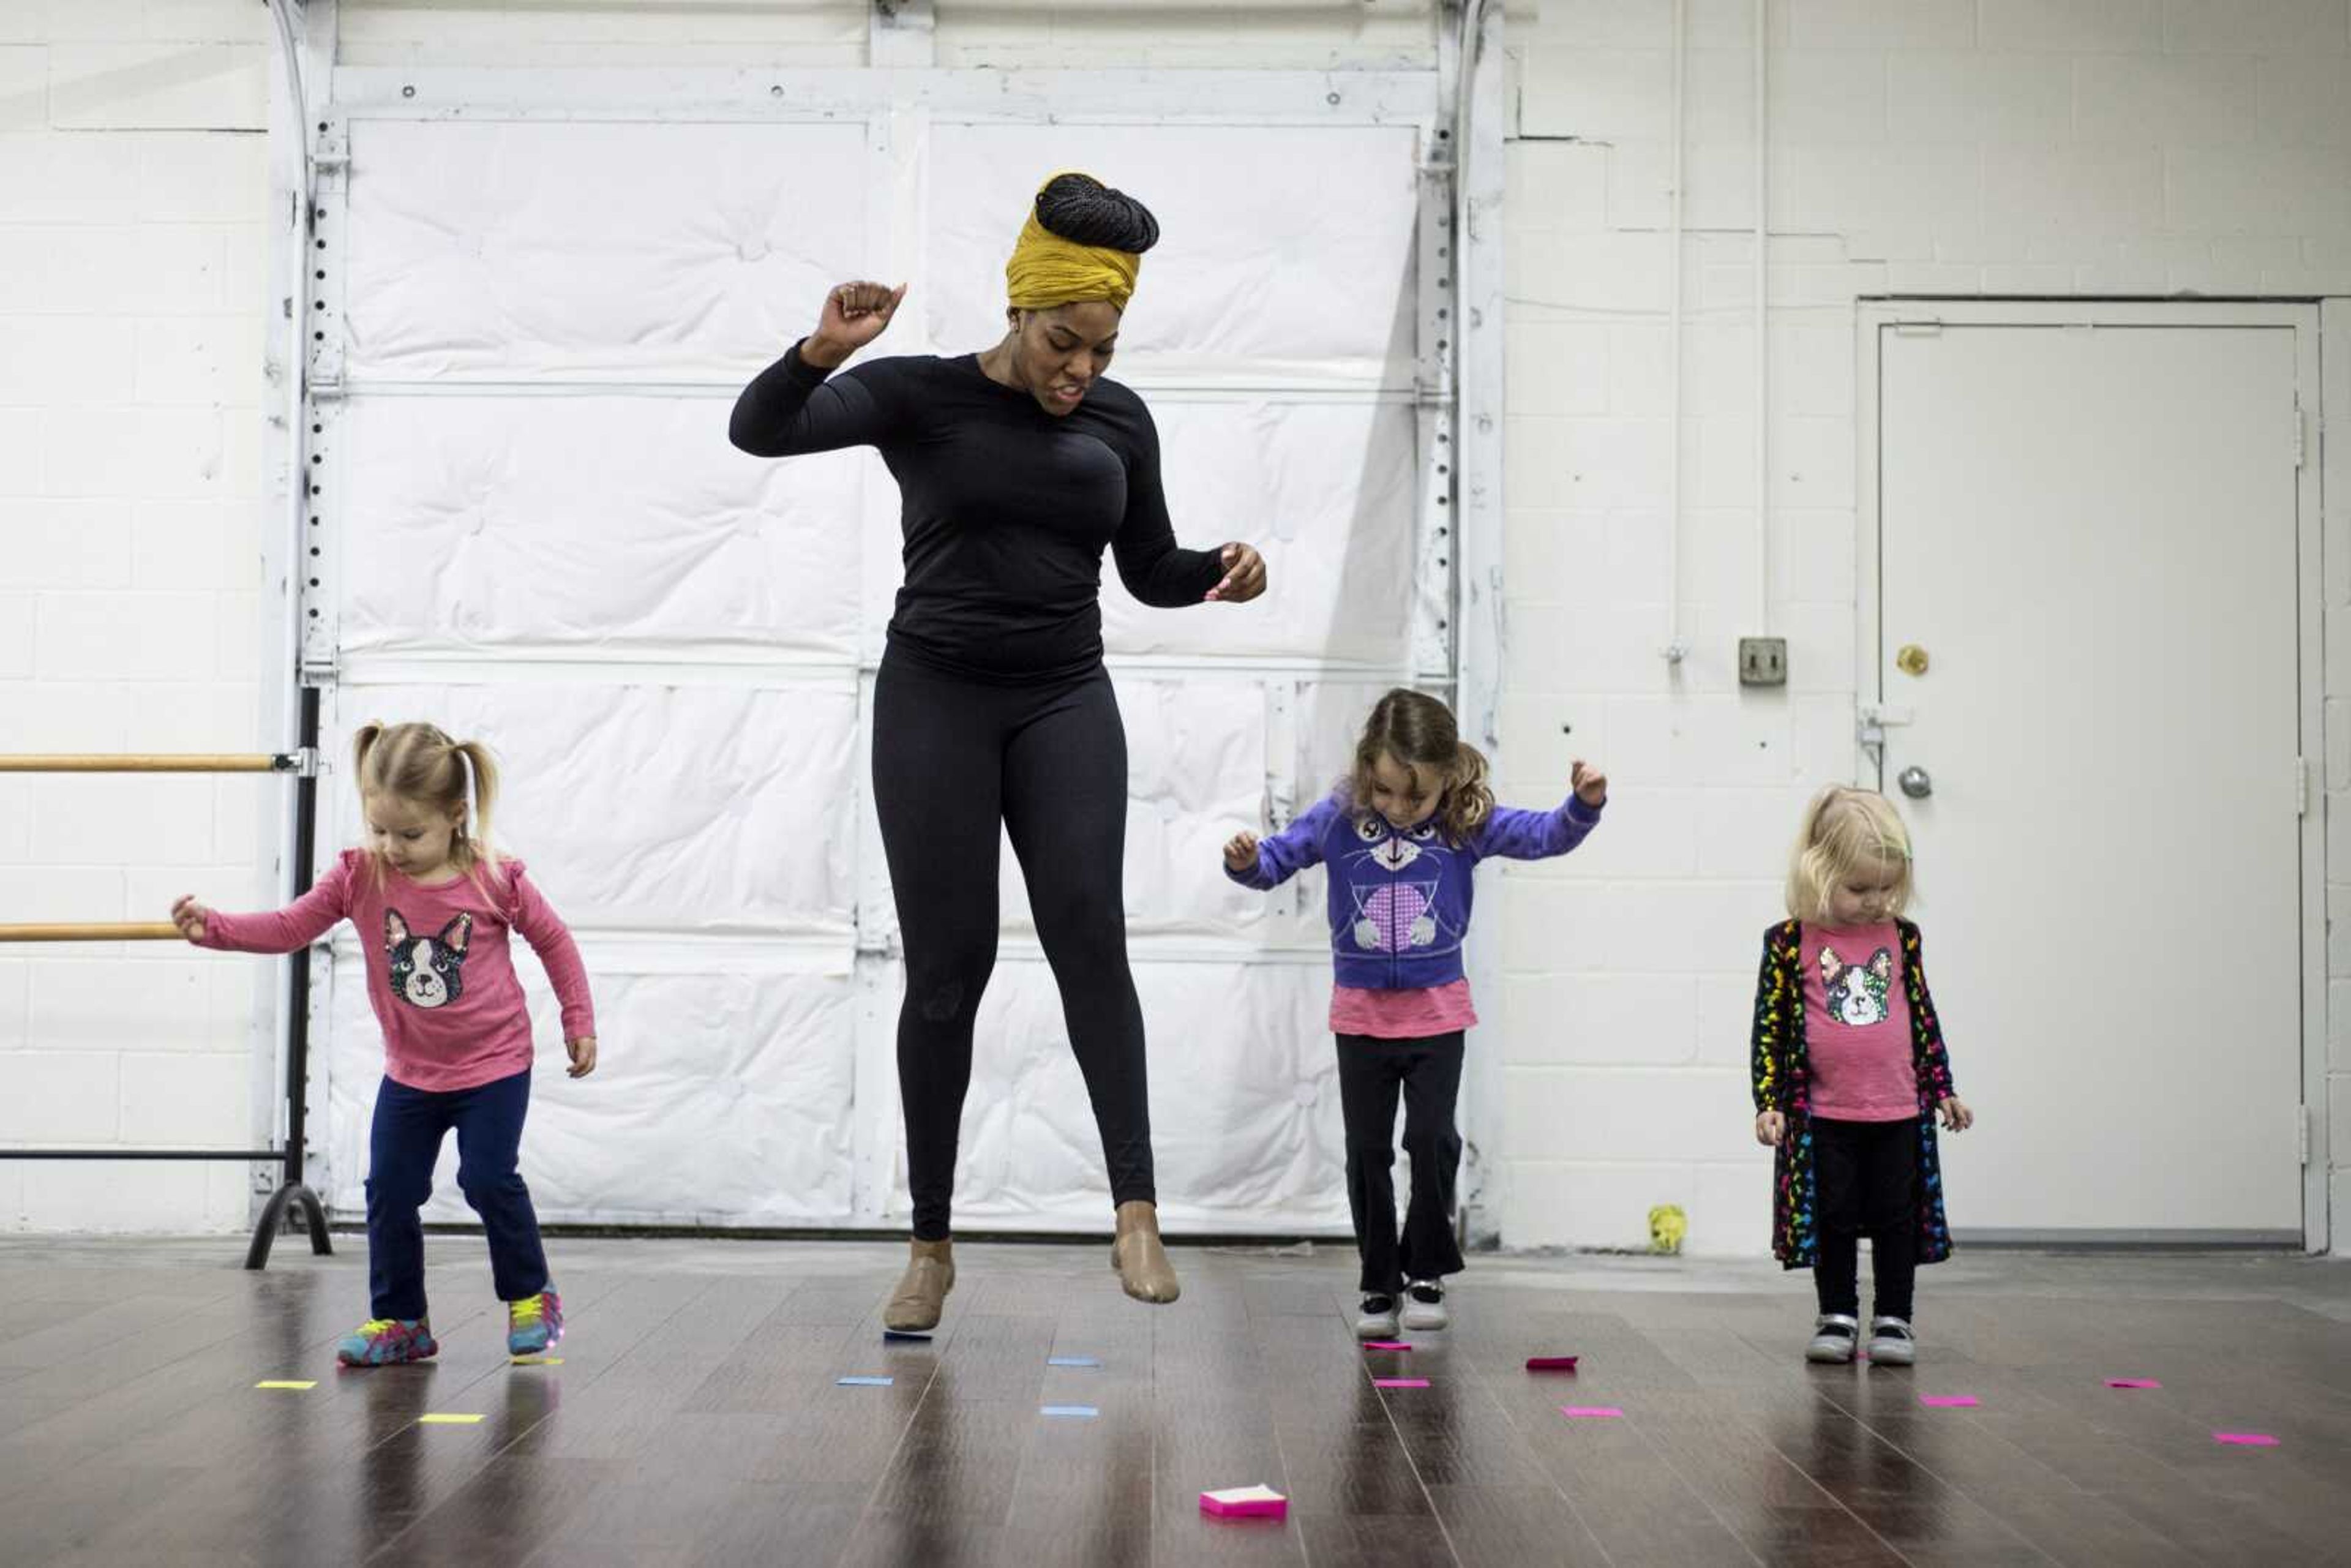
(1071, 1361)
(864, 1381)
(1083, 1412)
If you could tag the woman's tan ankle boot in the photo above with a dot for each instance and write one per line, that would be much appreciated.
(1141, 1261)
(922, 1289)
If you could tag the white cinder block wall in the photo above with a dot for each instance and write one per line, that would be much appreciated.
(1932, 146)
(133, 199)
(1995, 147)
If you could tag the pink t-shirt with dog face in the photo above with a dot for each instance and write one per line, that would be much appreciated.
(439, 974)
(1857, 1024)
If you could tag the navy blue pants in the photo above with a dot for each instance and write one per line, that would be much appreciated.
(402, 1146)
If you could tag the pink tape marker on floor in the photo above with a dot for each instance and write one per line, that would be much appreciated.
(1245, 1503)
(1386, 1344)
(1550, 1363)
(1589, 1412)
(2246, 1439)
(2132, 1383)
(1399, 1383)
(1949, 1401)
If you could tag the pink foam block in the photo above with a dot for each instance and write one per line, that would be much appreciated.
(1386, 1344)
(1550, 1363)
(1245, 1503)
(2246, 1439)
(1399, 1383)
(1589, 1412)
(1947, 1401)
(2132, 1383)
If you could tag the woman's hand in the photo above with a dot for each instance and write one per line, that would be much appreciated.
(854, 314)
(190, 917)
(1957, 1117)
(1591, 785)
(1244, 576)
(1241, 854)
(1771, 1129)
(583, 1055)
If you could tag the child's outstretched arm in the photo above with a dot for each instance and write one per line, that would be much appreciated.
(286, 930)
(551, 940)
(1267, 863)
(1515, 834)
(1767, 1048)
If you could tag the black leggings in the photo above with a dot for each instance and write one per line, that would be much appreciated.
(952, 758)
(1868, 1177)
(1428, 1072)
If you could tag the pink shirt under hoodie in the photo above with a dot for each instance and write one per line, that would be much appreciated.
(1857, 1024)
(1402, 1015)
(439, 974)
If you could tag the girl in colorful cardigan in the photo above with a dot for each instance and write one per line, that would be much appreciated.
(1850, 1074)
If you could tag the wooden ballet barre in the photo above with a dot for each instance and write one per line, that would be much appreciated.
(151, 762)
(103, 930)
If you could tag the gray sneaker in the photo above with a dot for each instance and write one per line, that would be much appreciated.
(1377, 1320)
(1833, 1337)
(1891, 1343)
(1424, 1306)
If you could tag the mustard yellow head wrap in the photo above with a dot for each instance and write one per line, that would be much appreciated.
(1048, 269)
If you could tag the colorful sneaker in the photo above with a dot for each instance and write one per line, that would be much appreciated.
(1424, 1306)
(534, 1323)
(387, 1342)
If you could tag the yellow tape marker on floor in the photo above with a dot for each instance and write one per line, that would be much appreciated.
(278, 1383)
(538, 1361)
(449, 1420)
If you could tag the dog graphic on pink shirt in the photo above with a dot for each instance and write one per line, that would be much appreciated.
(1857, 994)
(427, 971)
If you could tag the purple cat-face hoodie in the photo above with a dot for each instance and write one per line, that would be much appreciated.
(1400, 897)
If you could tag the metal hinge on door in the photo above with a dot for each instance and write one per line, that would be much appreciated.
(2302, 785)
(2297, 433)
(2302, 1135)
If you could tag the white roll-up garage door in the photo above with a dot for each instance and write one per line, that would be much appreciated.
(532, 529)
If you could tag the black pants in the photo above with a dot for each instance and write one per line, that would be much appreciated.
(953, 759)
(1866, 1175)
(1428, 1072)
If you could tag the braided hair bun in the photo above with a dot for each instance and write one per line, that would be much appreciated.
(1083, 210)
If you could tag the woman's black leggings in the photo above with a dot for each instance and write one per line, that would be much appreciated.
(952, 758)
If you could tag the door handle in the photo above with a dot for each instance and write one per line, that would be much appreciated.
(1917, 782)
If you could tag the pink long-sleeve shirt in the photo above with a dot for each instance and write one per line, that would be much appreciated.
(1857, 1024)
(440, 976)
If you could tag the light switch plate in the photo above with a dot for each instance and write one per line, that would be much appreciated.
(1763, 661)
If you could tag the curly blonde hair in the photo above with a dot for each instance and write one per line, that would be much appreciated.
(1844, 829)
(1420, 733)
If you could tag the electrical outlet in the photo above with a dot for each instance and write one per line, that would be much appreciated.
(1763, 661)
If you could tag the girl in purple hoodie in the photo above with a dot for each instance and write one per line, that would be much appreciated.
(1402, 834)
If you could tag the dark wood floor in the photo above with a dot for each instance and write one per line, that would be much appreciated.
(697, 1416)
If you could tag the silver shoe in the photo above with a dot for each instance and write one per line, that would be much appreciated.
(1891, 1343)
(1424, 1306)
(1377, 1320)
(1834, 1335)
